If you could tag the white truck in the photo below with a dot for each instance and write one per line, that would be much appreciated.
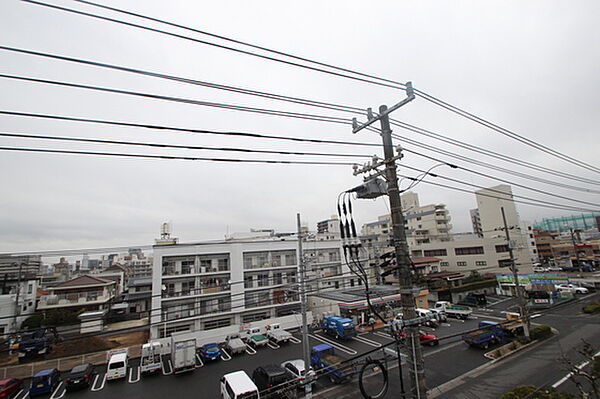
(457, 311)
(277, 334)
(234, 344)
(183, 355)
(150, 361)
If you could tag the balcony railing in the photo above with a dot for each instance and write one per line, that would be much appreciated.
(197, 291)
(73, 299)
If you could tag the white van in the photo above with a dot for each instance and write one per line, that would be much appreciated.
(238, 385)
(117, 366)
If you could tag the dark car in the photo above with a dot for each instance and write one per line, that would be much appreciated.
(210, 352)
(272, 380)
(44, 382)
(79, 377)
(9, 387)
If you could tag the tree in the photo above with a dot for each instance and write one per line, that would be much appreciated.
(582, 375)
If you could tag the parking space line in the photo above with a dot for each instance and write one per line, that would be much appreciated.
(96, 389)
(295, 340)
(199, 359)
(18, 393)
(225, 356)
(250, 350)
(273, 345)
(343, 348)
(367, 341)
(162, 366)
(383, 335)
(57, 390)
(131, 381)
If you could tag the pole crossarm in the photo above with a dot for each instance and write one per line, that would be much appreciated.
(372, 118)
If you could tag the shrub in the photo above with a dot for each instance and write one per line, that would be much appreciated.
(57, 317)
(531, 392)
(592, 308)
(541, 332)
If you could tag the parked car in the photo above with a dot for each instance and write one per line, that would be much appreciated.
(79, 377)
(433, 322)
(424, 338)
(572, 288)
(44, 382)
(238, 385)
(9, 387)
(540, 269)
(210, 352)
(296, 369)
(271, 379)
(554, 269)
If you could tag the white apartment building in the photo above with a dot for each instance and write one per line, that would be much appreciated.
(11, 313)
(207, 285)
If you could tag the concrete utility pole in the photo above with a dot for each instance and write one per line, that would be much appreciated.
(575, 248)
(407, 292)
(305, 343)
(515, 271)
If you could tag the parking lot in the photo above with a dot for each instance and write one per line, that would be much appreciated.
(204, 380)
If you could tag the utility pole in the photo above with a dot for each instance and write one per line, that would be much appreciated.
(17, 308)
(514, 270)
(305, 343)
(575, 248)
(407, 292)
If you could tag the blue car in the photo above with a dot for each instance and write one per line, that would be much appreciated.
(210, 352)
(44, 382)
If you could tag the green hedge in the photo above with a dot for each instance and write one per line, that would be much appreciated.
(532, 392)
(541, 332)
(56, 317)
(592, 308)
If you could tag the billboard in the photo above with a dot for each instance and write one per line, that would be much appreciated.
(536, 279)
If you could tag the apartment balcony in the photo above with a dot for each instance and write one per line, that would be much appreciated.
(444, 226)
(192, 273)
(194, 292)
(72, 300)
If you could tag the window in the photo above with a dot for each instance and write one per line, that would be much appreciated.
(248, 318)
(248, 281)
(502, 248)
(436, 252)
(434, 269)
(187, 267)
(480, 263)
(212, 324)
(504, 263)
(461, 263)
(290, 259)
(469, 251)
(29, 288)
(263, 280)
(444, 264)
(223, 265)
(277, 278)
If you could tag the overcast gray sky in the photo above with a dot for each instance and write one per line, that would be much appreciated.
(529, 66)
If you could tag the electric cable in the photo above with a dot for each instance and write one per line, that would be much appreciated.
(484, 151)
(185, 147)
(147, 28)
(370, 364)
(265, 111)
(171, 157)
(378, 81)
(186, 130)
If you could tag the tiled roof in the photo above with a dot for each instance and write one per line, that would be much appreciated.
(82, 281)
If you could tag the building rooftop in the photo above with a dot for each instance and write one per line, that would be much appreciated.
(358, 294)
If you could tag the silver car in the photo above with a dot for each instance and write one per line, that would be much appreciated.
(297, 369)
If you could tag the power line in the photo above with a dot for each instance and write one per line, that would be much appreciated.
(506, 132)
(337, 107)
(498, 191)
(171, 157)
(187, 130)
(235, 89)
(490, 153)
(186, 147)
(379, 81)
(486, 165)
(147, 28)
(493, 196)
(321, 118)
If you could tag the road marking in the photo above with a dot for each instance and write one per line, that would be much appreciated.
(343, 348)
(273, 345)
(131, 380)
(56, 391)
(162, 366)
(199, 359)
(18, 393)
(225, 356)
(367, 341)
(578, 367)
(383, 335)
(295, 340)
(96, 389)
(250, 350)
